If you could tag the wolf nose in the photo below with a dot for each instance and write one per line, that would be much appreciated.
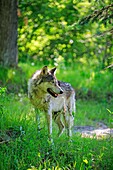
(61, 91)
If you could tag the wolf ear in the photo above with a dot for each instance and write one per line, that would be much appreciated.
(44, 70)
(53, 71)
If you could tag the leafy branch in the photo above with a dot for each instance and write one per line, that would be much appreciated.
(105, 14)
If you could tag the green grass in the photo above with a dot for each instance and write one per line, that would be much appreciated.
(89, 81)
(31, 150)
(28, 149)
(91, 112)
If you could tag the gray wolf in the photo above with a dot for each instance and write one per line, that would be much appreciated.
(53, 97)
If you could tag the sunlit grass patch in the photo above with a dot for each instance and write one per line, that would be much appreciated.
(91, 112)
(30, 149)
(88, 81)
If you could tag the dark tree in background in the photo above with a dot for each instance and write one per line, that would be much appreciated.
(8, 33)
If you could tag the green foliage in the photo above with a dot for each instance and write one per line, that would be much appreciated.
(2, 91)
(14, 79)
(88, 81)
(103, 15)
(51, 32)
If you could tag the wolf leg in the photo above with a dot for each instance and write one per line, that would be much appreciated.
(58, 121)
(68, 121)
(37, 112)
(68, 115)
(49, 123)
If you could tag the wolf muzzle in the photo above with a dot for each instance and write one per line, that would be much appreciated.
(52, 93)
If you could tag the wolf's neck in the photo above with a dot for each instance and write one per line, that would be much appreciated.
(40, 92)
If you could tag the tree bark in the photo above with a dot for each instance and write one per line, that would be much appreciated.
(8, 33)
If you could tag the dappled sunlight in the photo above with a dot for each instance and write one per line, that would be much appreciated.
(56, 26)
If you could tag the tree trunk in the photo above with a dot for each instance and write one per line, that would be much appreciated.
(8, 33)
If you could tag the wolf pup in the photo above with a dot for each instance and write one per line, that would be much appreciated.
(55, 98)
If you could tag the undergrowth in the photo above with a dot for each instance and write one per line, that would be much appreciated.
(88, 81)
(25, 148)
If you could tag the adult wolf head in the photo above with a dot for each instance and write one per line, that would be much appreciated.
(48, 82)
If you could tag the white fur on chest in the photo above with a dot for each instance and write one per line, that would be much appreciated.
(57, 104)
